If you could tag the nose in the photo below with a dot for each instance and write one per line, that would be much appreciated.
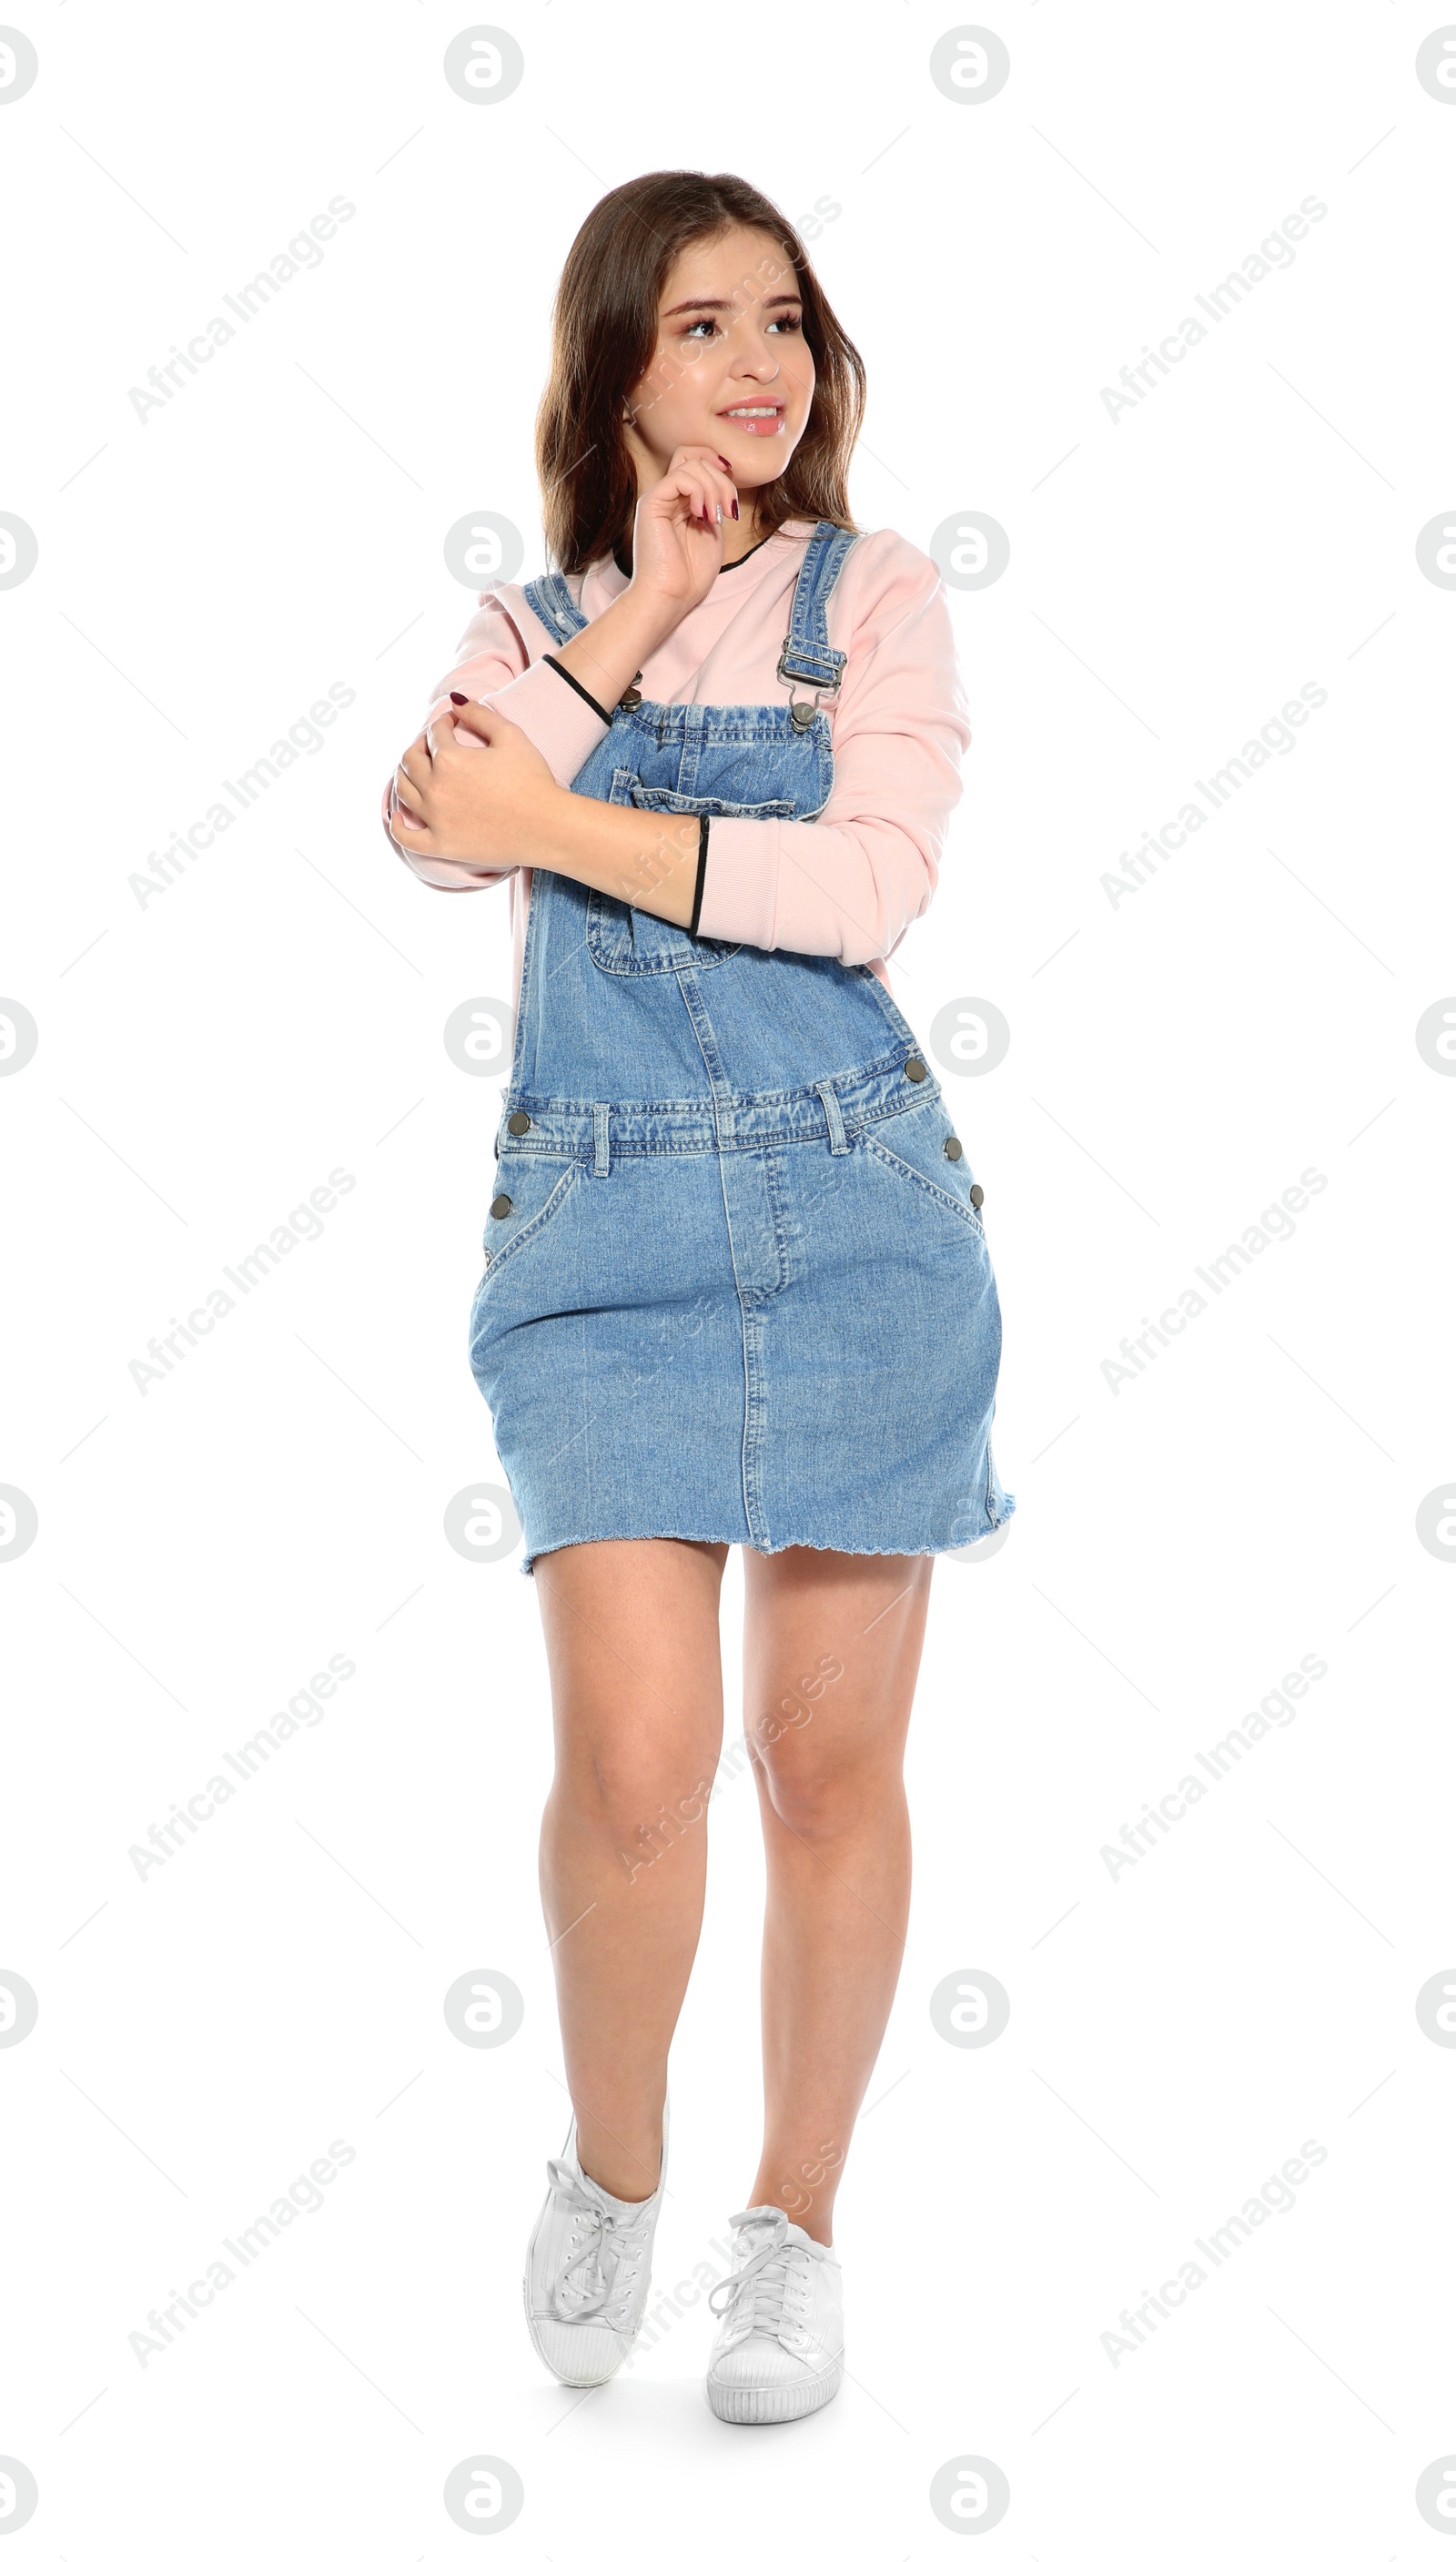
(753, 356)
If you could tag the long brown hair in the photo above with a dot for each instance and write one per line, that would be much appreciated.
(604, 336)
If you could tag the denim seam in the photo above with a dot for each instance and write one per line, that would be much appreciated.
(753, 1412)
(813, 1136)
(773, 1177)
(887, 1067)
(700, 954)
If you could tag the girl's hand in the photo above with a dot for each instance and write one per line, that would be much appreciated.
(677, 538)
(449, 801)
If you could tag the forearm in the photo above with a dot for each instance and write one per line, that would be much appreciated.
(642, 856)
(614, 648)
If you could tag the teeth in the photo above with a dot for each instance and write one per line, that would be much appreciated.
(751, 412)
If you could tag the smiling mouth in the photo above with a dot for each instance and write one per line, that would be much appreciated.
(757, 418)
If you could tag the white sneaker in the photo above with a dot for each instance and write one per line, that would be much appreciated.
(781, 2333)
(588, 2269)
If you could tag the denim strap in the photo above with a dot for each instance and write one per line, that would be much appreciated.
(805, 656)
(550, 599)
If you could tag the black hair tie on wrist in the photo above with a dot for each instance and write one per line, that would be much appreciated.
(702, 869)
(565, 672)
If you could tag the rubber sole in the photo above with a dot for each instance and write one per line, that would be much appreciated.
(577, 2383)
(760, 2404)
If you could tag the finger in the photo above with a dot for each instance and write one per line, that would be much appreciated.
(713, 502)
(692, 483)
(719, 470)
(481, 721)
(440, 733)
(403, 829)
(416, 763)
(404, 792)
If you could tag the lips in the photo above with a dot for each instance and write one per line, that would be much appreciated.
(768, 423)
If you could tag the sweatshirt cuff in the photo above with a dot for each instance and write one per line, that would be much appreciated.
(740, 888)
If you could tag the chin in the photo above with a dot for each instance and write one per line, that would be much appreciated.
(762, 471)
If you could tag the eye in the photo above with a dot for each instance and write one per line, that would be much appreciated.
(694, 325)
(790, 320)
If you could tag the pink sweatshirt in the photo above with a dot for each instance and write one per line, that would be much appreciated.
(848, 883)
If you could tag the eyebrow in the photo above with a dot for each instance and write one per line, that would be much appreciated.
(701, 302)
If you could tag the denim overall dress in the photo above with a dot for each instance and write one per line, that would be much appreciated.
(736, 1281)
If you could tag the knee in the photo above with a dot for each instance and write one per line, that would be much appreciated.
(822, 1798)
(639, 1795)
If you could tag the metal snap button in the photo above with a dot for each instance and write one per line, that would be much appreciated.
(629, 701)
(500, 1206)
(953, 1148)
(915, 1069)
(519, 1124)
(976, 1197)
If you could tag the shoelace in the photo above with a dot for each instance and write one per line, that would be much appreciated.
(586, 2285)
(756, 2289)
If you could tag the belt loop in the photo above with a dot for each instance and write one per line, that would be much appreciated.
(601, 1115)
(839, 1144)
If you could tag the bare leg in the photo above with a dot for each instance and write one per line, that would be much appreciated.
(828, 1750)
(636, 1684)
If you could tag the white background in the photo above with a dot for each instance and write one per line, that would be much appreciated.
(1177, 1061)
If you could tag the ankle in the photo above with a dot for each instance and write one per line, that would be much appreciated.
(815, 2221)
(631, 2172)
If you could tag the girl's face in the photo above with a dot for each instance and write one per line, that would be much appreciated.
(732, 369)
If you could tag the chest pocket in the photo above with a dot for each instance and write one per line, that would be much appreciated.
(626, 940)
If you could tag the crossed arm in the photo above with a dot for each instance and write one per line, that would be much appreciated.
(506, 807)
(846, 883)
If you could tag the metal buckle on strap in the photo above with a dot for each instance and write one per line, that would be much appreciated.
(802, 714)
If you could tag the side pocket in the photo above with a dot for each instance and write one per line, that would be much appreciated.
(911, 1146)
(536, 1192)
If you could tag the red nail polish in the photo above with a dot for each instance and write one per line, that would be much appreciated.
(460, 698)
(735, 506)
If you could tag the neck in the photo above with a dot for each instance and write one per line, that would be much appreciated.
(741, 533)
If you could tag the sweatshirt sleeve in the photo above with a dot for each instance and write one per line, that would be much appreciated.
(493, 665)
(849, 883)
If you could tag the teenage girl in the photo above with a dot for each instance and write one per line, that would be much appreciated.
(736, 1286)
